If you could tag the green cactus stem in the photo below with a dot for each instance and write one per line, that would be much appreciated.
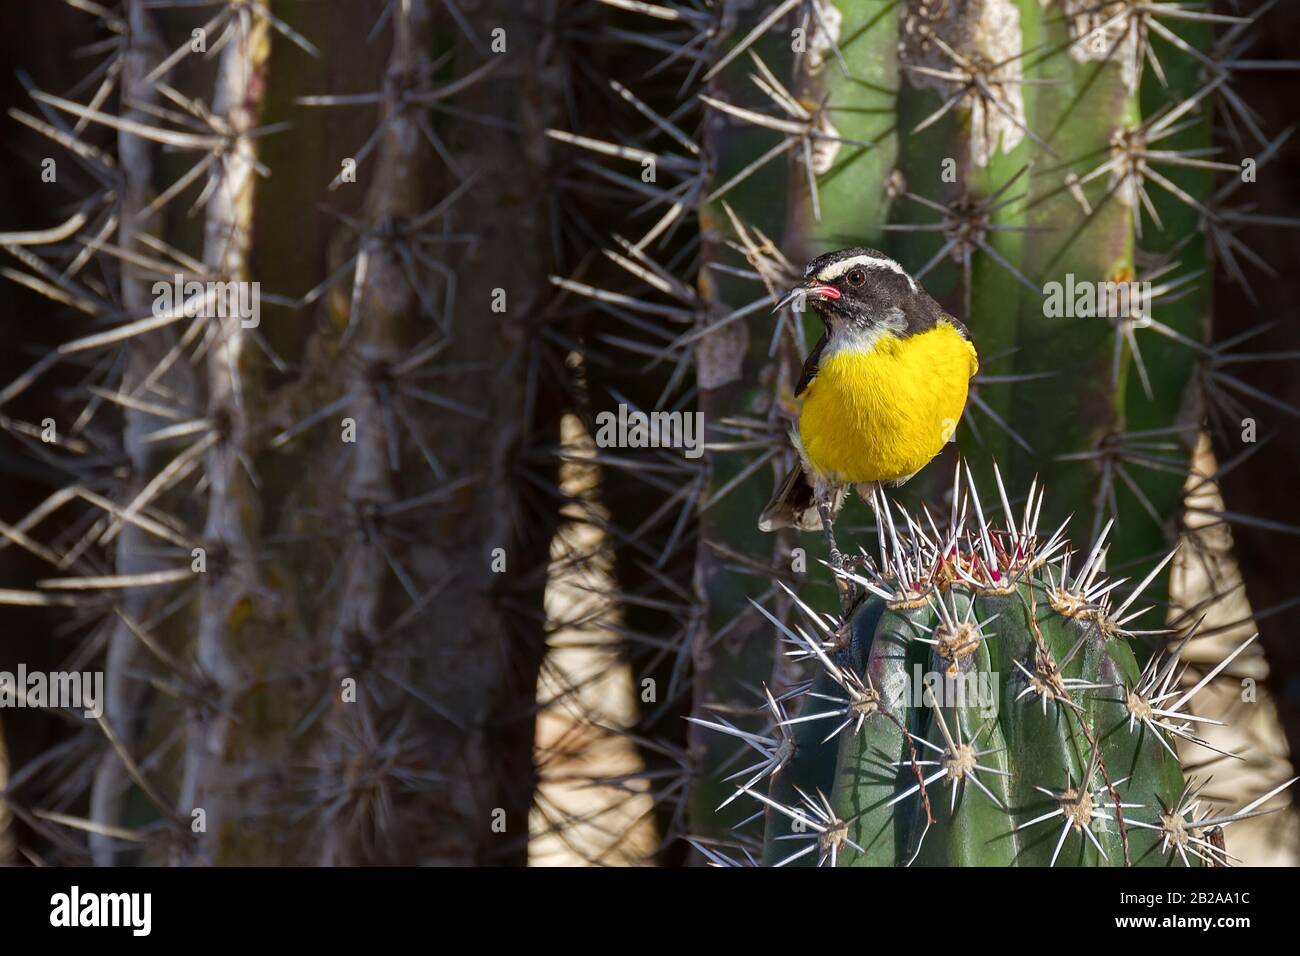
(983, 707)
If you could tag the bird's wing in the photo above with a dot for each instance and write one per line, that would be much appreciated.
(810, 367)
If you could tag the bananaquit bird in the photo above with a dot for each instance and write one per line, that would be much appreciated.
(882, 391)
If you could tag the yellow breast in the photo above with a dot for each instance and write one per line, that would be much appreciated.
(882, 411)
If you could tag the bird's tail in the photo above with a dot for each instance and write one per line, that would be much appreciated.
(794, 506)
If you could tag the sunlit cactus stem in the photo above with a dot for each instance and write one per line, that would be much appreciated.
(983, 707)
(216, 777)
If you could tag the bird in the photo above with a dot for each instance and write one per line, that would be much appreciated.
(881, 392)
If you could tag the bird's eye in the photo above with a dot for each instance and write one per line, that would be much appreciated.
(856, 277)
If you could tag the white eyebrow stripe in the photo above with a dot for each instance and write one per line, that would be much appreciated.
(837, 269)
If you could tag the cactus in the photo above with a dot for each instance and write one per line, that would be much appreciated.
(983, 707)
(598, 206)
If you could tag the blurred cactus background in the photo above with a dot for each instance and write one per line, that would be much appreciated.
(364, 576)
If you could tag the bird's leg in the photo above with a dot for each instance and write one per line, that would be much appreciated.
(824, 497)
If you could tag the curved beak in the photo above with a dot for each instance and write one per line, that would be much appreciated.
(812, 289)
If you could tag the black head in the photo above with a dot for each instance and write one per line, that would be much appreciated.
(863, 288)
